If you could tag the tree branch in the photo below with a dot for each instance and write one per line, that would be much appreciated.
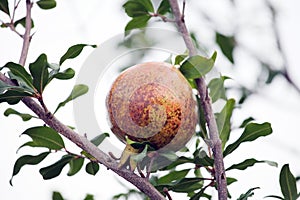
(215, 141)
(26, 36)
(141, 183)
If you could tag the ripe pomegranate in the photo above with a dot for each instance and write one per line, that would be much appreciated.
(152, 103)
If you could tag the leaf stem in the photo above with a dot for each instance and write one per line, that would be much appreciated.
(215, 140)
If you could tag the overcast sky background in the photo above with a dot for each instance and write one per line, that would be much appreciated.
(94, 22)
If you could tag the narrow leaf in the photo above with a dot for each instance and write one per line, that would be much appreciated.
(246, 121)
(248, 194)
(248, 163)
(24, 116)
(57, 196)
(74, 51)
(227, 44)
(46, 4)
(136, 8)
(197, 66)
(288, 183)
(173, 176)
(223, 121)
(43, 136)
(39, 72)
(137, 22)
(89, 197)
(55, 169)
(252, 132)
(217, 89)
(92, 168)
(20, 72)
(78, 90)
(27, 160)
(75, 165)
(140, 156)
(4, 87)
(4, 6)
(65, 75)
(164, 7)
(274, 196)
(99, 139)
(187, 185)
(181, 160)
(179, 59)
(147, 4)
(22, 22)
(13, 97)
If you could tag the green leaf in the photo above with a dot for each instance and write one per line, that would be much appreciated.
(246, 121)
(75, 165)
(135, 8)
(164, 7)
(223, 121)
(27, 160)
(230, 180)
(55, 169)
(201, 118)
(4, 87)
(24, 116)
(217, 89)
(73, 52)
(197, 66)
(22, 22)
(181, 160)
(140, 156)
(187, 185)
(274, 196)
(46, 4)
(173, 176)
(4, 6)
(92, 168)
(248, 194)
(227, 44)
(248, 163)
(89, 197)
(137, 22)
(43, 136)
(21, 73)
(202, 159)
(39, 72)
(64, 75)
(180, 58)
(13, 97)
(78, 90)
(57, 196)
(99, 139)
(288, 183)
(252, 132)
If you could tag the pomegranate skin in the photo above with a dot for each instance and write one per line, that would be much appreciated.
(152, 103)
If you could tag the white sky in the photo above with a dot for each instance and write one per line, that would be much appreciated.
(95, 22)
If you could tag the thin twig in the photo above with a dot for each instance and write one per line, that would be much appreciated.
(163, 18)
(216, 143)
(26, 36)
(166, 191)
